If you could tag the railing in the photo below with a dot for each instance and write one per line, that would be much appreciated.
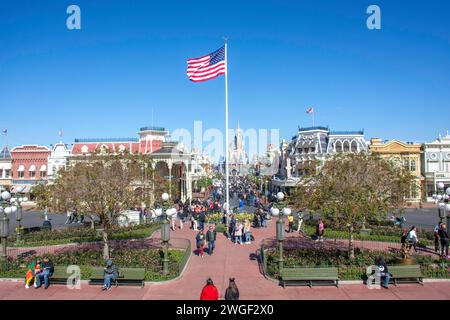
(187, 254)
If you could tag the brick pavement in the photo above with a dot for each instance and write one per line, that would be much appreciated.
(229, 260)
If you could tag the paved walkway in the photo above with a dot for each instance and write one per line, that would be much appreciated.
(229, 260)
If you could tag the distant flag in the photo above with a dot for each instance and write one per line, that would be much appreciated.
(207, 67)
(310, 110)
(5, 132)
(60, 133)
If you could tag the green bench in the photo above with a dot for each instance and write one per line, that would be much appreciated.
(127, 276)
(309, 276)
(60, 275)
(406, 273)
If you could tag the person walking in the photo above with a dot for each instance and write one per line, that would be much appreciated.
(238, 233)
(232, 227)
(320, 230)
(412, 238)
(209, 291)
(290, 223)
(200, 241)
(247, 232)
(299, 222)
(436, 239)
(444, 240)
(211, 236)
(232, 292)
(202, 219)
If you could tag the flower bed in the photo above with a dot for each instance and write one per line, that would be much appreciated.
(217, 217)
(378, 233)
(79, 235)
(348, 269)
(125, 255)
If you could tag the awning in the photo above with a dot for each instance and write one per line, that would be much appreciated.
(26, 188)
(32, 168)
(21, 168)
(43, 168)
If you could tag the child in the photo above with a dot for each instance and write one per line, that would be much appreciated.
(35, 268)
(200, 240)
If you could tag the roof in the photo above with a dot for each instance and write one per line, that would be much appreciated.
(152, 128)
(5, 154)
(341, 133)
(91, 140)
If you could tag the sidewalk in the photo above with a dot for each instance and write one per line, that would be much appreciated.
(229, 260)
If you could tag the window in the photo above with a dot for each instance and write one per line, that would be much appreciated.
(20, 174)
(32, 174)
(354, 146)
(1, 173)
(412, 165)
(43, 174)
(433, 166)
(7, 173)
(446, 166)
(338, 146)
(346, 146)
(406, 164)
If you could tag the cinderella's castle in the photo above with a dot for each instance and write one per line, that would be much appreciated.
(237, 156)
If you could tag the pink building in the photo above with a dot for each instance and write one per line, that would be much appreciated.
(150, 140)
(29, 166)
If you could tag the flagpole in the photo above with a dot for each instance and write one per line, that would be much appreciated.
(227, 176)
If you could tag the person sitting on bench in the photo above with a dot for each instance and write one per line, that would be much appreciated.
(110, 273)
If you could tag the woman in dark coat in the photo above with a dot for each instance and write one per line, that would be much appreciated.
(232, 292)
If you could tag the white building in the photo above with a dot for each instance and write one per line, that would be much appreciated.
(5, 168)
(313, 144)
(436, 164)
(57, 160)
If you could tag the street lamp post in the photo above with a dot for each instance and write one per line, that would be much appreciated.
(165, 212)
(280, 209)
(442, 199)
(5, 209)
(17, 201)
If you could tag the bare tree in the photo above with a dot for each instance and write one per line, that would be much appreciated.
(353, 188)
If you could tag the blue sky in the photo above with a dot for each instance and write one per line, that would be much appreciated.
(130, 57)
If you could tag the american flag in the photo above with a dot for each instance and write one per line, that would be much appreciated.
(207, 67)
(5, 132)
(309, 110)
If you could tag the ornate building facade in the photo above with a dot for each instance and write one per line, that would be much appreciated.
(29, 166)
(313, 144)
(436, 164)
(409, 155)
(57, 160)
